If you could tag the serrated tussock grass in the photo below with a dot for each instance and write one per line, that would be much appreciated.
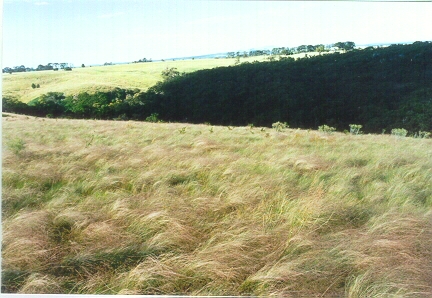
(144, 209)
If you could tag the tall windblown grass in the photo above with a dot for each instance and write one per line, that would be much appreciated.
(109, 207)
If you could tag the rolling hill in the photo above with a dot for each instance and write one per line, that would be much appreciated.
(99, 78)
(104, 78)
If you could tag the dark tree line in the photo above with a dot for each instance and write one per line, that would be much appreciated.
(347, 45)
(20, 68)
(144, 60)
(380, 88)
(49, 66)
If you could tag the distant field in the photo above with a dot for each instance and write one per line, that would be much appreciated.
(103, 78)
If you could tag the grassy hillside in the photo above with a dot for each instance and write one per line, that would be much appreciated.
(104, 78)
(144, 208)
(100, 78)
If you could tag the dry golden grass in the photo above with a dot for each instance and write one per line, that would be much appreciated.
(107, 207)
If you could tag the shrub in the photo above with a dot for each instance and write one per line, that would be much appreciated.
(399, 132)
(279, 126)
(355, 129)
(327, 129)
(13, 105)
(153, 118)
(170, 73)
(422, 135)
(50, 103)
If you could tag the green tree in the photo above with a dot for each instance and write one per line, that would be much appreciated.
(302, 49)
(310, 48)
(170, 73)
(339, 45)
(230, 55)
(50, 103)
(276, 51)
(319, 48)
(347, 45)
(13, 105)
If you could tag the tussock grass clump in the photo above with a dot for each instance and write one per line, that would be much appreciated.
(144, 209)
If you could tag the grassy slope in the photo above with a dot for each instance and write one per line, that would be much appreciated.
(91, 79)
(134, 208)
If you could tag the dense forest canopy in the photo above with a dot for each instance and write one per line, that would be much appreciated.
(380, 88)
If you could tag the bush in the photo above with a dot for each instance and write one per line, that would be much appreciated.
(422, 135)
(279, 126)
(48, 104)
(327, 129)
(355, 129)
(399, 132)
(153, 118)
(170, 73)
(13, 105)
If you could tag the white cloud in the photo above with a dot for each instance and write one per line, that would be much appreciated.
(41, 3)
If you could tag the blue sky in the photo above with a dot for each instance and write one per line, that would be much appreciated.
(98, 31)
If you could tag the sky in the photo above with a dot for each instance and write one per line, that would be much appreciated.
(98, 31)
